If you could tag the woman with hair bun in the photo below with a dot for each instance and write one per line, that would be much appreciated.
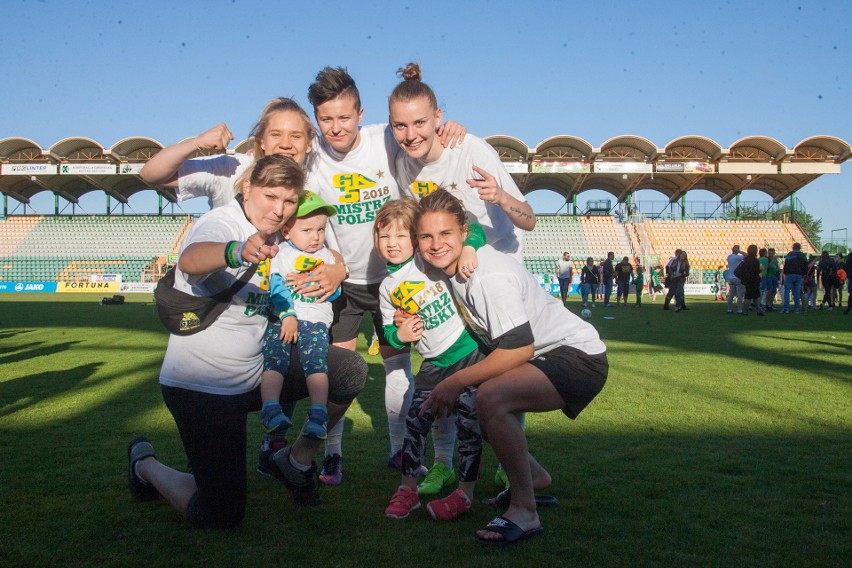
(471, 171)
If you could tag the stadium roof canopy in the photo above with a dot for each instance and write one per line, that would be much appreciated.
(567, 165)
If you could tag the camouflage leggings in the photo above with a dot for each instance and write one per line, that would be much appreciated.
(469, 435)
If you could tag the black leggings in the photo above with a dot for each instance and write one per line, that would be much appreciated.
(213, 431)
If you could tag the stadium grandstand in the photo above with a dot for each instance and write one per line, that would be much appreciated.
(70, 247)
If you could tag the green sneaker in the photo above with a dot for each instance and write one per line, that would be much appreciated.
(500, 478)
(438, 476)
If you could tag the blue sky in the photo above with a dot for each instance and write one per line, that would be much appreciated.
(532, 70)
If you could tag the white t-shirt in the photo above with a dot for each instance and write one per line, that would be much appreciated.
(423, 291)
(501, 296)
(212, 177)
(226, 357)
(451, 171)
(290, 259)
(734, 260)
(357, 183)
(565, 268)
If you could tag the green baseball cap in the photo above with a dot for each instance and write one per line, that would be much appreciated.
(311, 202)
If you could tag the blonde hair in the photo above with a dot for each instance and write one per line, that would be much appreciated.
(279, 104)
(402, 211)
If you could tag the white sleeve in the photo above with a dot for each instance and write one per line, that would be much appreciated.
(386, 307)
(503, 307)
(210, 177)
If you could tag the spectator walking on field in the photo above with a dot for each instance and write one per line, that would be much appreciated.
(589, 280)
(678, 271)
(623, 274)
(770, 268)
(848, 285)
(827, 272)
(639, 284)
(795, 267)
(717, 282)
(607, 274)
(565, 274)
(654, 286)
(735, 287)
(748, 273)
(840, 275)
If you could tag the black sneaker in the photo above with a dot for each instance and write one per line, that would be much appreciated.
(332, 470)
(265, 465)
(139, 449)
(303, 485)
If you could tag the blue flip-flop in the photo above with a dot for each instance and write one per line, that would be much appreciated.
(510, 532)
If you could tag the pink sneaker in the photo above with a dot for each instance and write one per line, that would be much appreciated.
(402, 503)
(450, 507)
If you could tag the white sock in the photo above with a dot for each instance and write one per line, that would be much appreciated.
(399, 390)
(334, 441)
(444, 439)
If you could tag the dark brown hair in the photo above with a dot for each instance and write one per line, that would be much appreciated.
(442, 201)
(331, 83)
(276, 170)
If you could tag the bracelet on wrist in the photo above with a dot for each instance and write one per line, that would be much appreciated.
(230, 257)
(239, 256)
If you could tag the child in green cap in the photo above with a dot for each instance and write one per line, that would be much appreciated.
(302, 320)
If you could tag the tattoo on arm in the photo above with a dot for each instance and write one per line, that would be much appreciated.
(520, 213)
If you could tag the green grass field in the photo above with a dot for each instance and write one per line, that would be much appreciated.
(718, 441)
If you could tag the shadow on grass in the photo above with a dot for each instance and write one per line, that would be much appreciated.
(9, 334)
(38, 349)
(40, 387)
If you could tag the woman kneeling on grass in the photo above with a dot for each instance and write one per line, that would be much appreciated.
(544, 357)
(211, 380)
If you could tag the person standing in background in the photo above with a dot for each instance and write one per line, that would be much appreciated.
(565, 274)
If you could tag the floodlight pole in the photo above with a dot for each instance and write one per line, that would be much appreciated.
(845, 238)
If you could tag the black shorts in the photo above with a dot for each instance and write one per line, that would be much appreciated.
(577, 376)
(349, 308)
